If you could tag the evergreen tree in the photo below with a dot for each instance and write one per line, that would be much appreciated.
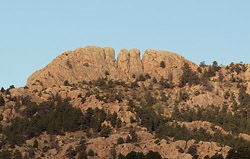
(2, 101)
(162, 64)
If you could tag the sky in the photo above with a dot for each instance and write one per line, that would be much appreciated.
(33, 33)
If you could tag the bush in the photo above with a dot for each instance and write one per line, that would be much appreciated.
(119, 123)
(153, 155)
(192, 150)
(5, 154)
(66, 83)
(2, 101)
(120, 140)
(71, 153)
(105, 131)
(17, 154)
(134, 136)
(147, 76)
(68, 64)
(162, 64)
(83, 100)
(2, 90)
(86, 64)
(164, 83)
(141, 78)
(35, 144)
(91, 153)
(82, 155)
(134, 84)
(140, 155)
(149, 99)
(226, 95)
(199, 69)
(106, 73)
(113, 119)
(184, 96)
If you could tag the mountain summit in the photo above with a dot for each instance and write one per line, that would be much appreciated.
(92, 62)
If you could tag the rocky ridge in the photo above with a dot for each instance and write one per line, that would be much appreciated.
(92, 62)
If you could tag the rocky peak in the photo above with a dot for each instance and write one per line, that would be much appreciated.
(93, 62)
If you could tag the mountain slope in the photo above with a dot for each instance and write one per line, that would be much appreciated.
(87, 104)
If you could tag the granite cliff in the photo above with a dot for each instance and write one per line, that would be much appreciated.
(92, 62)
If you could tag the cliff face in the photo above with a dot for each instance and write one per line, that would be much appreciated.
(92, 62)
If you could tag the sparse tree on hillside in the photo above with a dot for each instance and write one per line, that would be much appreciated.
(162, 64)
(188, 76)
(202, 64)
(2, 101)
(2, 90)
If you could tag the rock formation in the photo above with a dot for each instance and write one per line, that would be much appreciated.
(92, 62)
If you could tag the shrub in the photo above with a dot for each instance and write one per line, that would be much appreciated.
(164, 83)
(82, 155)
(66, 83)
(196, 93)
(113, 119)
(184, 96)
(149, 99)
(2, 101)
(199, 69)
(83, 100)
(6, 154)
(68, 64)
(91, 153)
(71, 153)
(105, 131)
(134, 84)
(86, 64)
(141, 78)
(153, 155)
(106, 73)
(119, 123)
(162, 64)
(35, 144)
(12, 86)
(226, 95)
(133, 135)
(17, 154)
(202, 64)
(154, 80)
(192, 150)
(2, 90)
(120, 140)
(147, 76)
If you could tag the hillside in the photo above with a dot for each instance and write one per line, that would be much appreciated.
(87, 104)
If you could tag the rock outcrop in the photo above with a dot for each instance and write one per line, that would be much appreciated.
(129, 62)
(166, 149)
(92, 62)
(152, 59)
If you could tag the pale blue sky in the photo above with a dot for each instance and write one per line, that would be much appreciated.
(34, 32)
